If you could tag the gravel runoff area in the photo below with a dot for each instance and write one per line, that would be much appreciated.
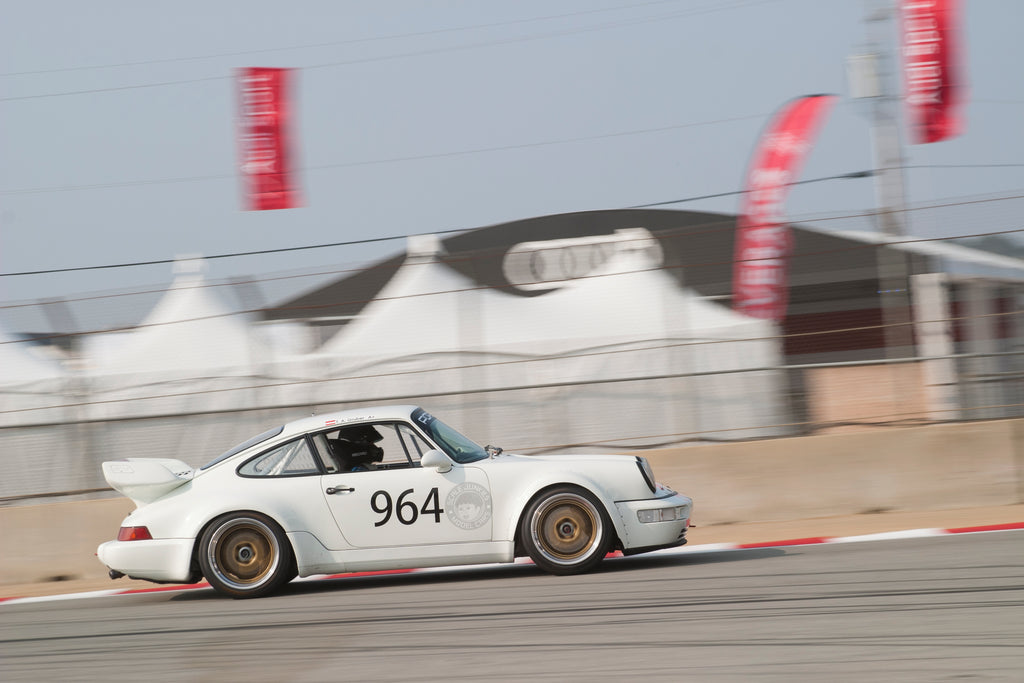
(764, 532)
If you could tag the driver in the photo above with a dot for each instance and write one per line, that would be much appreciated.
(356, 449)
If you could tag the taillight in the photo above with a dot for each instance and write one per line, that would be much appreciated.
(134, 533)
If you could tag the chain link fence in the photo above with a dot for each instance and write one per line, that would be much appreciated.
(61, 460)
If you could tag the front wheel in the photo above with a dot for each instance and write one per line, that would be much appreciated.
(245, 555)
(566, 530)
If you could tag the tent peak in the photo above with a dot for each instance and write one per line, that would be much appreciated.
(423, 248)
(189, 264)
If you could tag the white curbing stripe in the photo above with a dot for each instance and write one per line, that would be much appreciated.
(704, 548)
(889, 536)
(693, 549)
(65, 596)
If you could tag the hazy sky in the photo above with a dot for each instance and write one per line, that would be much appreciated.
(117, 121)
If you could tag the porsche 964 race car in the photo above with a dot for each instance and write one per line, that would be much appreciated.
(379, 488)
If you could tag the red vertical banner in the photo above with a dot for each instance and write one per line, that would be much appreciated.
(932, 70)
(761, 258)
(264, 135)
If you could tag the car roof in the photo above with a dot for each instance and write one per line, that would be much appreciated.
(342, 417)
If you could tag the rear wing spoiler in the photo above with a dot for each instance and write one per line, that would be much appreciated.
(144, 480)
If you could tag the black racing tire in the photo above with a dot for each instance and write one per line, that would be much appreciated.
(566, 530)
(245, 555)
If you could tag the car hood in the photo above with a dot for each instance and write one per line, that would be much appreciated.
(567, 458)
(617, 475)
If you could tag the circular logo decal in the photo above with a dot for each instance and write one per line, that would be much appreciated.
(468, 506)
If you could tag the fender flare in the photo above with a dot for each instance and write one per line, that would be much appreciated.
(523, 501)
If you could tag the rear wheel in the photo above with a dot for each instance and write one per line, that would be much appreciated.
(566, 530)
(245, 555)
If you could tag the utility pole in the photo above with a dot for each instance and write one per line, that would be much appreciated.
(890, 187)
(873, 78)
(873, 75)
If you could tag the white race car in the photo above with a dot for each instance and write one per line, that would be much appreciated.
(388, 487)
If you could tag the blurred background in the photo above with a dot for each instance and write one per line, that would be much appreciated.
(521, 216)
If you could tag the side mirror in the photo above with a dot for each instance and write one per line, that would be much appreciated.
(436, 459)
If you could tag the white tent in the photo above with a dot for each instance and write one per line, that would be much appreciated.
(424, 308)
(430, 308)
(190, 330)
(20, 366)
(29, 384)
(186, 353)
(621, 353)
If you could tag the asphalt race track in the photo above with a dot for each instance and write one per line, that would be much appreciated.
(929, 609)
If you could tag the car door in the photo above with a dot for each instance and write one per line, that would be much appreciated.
(401, 504)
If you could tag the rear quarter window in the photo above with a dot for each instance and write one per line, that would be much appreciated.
(287, 460)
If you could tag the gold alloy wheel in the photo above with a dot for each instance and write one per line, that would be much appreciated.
(566, 528)
(243, 552)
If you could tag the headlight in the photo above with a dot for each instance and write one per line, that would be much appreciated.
(661, 514)
(647, 472)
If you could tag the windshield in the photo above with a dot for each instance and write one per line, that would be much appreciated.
(259, 438)
(458, 447)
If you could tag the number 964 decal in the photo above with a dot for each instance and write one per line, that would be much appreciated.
(468, 506)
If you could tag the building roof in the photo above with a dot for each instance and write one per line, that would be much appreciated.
(697, 249)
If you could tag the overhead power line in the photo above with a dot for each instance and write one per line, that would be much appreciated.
(281, 250)
(373, 240)
(917, 166)
(481, 150)
(393, 160)
(413, 53)
(855, 174)
(338, 43)
(268, 383)
(223, 256)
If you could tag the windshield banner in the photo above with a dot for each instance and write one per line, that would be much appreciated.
(931, 68)
(759, 280)
(264, 138)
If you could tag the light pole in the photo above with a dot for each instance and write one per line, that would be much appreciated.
(871, 79)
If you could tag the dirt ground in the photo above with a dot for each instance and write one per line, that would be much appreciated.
(853, 525)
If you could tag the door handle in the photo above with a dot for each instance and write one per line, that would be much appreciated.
(339, 489)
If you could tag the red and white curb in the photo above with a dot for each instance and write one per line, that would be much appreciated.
(689, 549)
(817, 540)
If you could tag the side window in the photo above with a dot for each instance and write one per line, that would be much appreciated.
(394, 449)
(291, 459)
(402, 446)
(413, 442)
(355, 448)
(363, 447)
(327, 457)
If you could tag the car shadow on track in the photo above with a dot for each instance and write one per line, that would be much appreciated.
(363, 581)
(491, 572)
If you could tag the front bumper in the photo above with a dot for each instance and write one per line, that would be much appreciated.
(162, 559)
(644, 536)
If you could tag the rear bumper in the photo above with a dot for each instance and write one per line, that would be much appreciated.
(164, 559)
(640, 537)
